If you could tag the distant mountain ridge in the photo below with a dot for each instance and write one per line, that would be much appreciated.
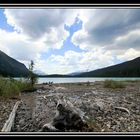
(38, 72)
(74, 73)
(126, 69)
(11, 67)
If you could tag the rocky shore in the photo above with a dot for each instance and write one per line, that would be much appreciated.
(104, 109)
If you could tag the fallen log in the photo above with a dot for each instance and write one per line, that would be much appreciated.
(124, 109)
(9, 123)
(67, 118)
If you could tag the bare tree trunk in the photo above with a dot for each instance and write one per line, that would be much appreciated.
(68, 118)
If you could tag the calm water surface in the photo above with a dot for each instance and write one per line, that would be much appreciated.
(75, 80)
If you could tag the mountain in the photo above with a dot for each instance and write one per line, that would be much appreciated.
(55, 75)
(11, 67)
(126, 69)
(74, 73)
(38, 72)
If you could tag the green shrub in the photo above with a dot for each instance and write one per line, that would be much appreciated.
(113, 84)
(11, 88)
(7, 88)
(32, 77)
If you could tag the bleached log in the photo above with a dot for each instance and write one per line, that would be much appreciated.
(122, 108)
(9, 123)
(49, 127)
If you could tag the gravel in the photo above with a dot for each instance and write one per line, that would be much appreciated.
(98, 103)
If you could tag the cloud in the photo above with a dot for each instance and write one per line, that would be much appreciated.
(105, 34)
(42, 23)
(112, 23)
(104, 25)
(35, 32)
(19, 47)
(81, 61)
(113, 30)
(36, 22)
(129, 54)
(131, 39)
(69, 58)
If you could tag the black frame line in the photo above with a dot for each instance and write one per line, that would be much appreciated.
(72, 6)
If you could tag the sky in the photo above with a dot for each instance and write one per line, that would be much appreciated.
(62, 41)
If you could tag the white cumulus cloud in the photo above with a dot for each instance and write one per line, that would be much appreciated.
(105, 34)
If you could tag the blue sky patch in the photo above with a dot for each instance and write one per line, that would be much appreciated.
(67, 44)
(3, 22)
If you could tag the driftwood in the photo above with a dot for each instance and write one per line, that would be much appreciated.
(49, 128)
(9, 123)
(124, 109)
(67, 118)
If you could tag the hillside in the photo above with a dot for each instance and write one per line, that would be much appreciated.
(55, 76)
(126, 69)
(11, 67)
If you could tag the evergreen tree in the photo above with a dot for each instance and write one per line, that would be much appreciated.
(32, 76)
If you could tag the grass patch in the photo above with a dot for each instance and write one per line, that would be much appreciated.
(11, 88)
(113, 84)
(8, 89)
(132, 81)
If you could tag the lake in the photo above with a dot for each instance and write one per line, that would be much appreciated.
(77, 80)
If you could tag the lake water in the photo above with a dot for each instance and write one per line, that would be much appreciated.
(75, 80)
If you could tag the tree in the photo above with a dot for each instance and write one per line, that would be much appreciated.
(32, 76)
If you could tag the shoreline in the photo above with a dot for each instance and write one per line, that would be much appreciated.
(84, 79)
(97, 102)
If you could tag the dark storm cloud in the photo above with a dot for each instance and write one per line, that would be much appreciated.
(107, 24)
(36, 22)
